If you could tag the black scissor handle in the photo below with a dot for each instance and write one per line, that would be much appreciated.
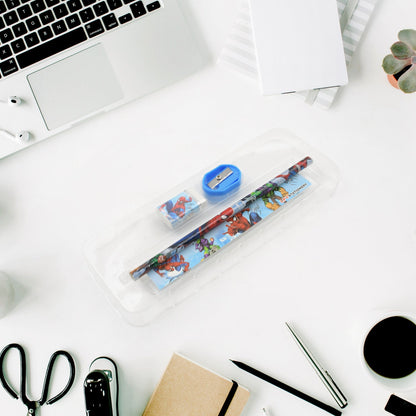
(22, 372)
(48, 376)
(46, 382)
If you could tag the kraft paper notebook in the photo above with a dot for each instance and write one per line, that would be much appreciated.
(187, 389)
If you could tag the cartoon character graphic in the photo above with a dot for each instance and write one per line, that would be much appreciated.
(254, 218)
(237, 224)
(178, 209)
(271, 198)
(173, 267)
(206, 246)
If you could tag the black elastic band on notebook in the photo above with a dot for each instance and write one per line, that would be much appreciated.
(229, 399)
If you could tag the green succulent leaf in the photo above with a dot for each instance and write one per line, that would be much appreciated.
(407, 82)
(401, 50)
(392, 66)
(408, 36)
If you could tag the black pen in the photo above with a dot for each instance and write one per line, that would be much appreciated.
(287, 388)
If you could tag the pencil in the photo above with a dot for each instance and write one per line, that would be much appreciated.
(237, 207)
(287, 388)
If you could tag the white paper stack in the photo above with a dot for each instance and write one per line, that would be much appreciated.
(298, 45)
(240, 49)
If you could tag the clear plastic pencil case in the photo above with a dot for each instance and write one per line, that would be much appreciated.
(174, 245)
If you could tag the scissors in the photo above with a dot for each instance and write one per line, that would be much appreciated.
(31, 404)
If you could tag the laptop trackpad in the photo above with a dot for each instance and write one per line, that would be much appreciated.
(75, 87)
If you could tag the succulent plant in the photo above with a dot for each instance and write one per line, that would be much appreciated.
(400, 65)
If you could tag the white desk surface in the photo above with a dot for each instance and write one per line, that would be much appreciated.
(355, 255)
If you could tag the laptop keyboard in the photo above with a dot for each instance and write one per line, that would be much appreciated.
(33, 30)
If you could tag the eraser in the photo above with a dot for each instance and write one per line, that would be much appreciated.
(180, 208)
(400, 407)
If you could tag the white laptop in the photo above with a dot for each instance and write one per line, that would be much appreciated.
(68, 60)
(298, 45)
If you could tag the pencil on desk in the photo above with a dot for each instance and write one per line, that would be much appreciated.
(287, 388)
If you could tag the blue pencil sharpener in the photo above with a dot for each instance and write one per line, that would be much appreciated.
(222, 180)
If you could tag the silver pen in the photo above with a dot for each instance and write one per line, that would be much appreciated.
(322, 373)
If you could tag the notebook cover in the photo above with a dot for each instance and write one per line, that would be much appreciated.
(298, 45)
(187, 389)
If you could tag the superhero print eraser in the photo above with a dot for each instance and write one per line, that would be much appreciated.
(180, 208)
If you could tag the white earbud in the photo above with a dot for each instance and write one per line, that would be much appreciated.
(12, 101)
(21, 137)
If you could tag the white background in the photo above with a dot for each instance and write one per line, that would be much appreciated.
(353, 256)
